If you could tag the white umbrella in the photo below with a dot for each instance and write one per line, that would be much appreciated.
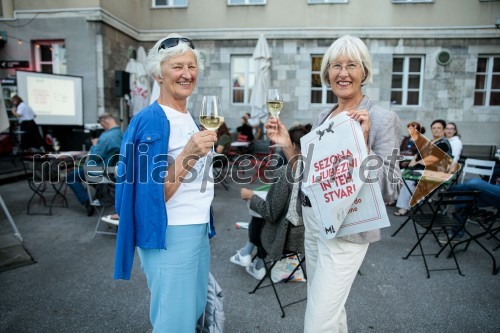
(4, 117)
(139, 83)
(262, 65)
(155, 93)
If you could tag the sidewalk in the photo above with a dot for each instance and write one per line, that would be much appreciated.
(70, 288)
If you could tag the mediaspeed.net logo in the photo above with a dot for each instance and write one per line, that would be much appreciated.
(439, 167)
(241, 170)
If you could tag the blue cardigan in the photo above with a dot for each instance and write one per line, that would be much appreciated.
(139, 197)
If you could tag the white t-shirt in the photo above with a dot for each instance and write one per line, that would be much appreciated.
(25, 111)
(190, 204)
(456, 147)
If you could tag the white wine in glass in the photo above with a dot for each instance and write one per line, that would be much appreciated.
(274, 105)
(211, 113)
(211, 122)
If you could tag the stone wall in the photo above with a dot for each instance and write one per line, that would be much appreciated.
(447, 90)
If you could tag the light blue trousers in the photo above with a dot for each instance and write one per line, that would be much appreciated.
(178, 278)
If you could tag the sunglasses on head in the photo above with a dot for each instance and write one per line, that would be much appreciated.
(171, 42)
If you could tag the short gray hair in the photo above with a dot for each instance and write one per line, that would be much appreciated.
(353, 48)
(156, 55)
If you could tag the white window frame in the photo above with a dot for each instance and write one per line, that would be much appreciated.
(170, 4)
(324, 88)
(488, 79)
(246, 73)
(320, 2)
(405, 79)
(246, 3)
(58, 61)
(412, 1)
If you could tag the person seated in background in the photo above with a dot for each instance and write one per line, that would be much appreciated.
(245, 129)
(269, 232)
(257, 128)
(222, 147)
(30, 137)
(490, 193)
(419, 163)
(408, 147)
(489, 197)
(102, 151)
(451, 133)
(224, 140)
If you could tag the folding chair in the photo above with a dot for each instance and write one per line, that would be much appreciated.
(439, 222)
(489, 224)
(478, 167)
(294, 246)
(101, 178)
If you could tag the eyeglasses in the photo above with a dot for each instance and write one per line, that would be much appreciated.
(350, 67)
(171, 42)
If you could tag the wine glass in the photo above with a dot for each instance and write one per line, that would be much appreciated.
(274, 106)
(211, 114)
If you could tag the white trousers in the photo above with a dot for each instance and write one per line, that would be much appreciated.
(332, 265)
(405, 195)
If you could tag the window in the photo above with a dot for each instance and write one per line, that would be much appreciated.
(242, 78)
(50, 57)
(411, 1)
(407, 80)
(169, 3)
(312, 2)
(246, 2)
(487, 89)
(320, 94)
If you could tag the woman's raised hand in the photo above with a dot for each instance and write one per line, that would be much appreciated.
(200, 143)
(364, 119)
(246, 194)
(277, 132)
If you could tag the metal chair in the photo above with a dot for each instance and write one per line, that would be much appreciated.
(442, 223)
(478, 167)
(102, 179)
(293, 247)
(489, 225)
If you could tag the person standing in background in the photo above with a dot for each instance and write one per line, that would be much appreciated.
(245, 129)
(31, 138)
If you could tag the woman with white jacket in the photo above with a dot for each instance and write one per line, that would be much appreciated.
(451, 133)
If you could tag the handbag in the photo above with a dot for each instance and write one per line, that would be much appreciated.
(283, 268)
(294, 213)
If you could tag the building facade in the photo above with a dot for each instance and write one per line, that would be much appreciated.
(432, 59)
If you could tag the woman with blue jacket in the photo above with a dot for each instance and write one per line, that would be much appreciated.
(162, 197)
